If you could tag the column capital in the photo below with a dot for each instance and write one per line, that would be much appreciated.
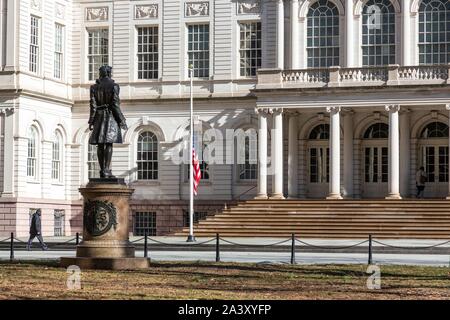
(7, 110)
(392, 108)
(262, 111)
(275, 110)
(334, 109)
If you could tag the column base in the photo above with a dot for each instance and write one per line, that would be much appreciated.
(394, 196)
(261, 196)
(277, 196)
(334, 196)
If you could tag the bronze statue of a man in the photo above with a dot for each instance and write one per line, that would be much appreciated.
(106, 119)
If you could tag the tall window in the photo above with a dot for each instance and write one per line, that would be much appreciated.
(323, 35)
(98, 42)
(319, 154)
(56, 156)
(147, 52)
(92, 162)
(198, 49)
(435, 152)
(147, 156)
(378, 28)
(59, 223)
(34, 44)
(250, 48)
(434, 32)
(32, 153)
(145, 222)
(58, 63)
(248, 170)
(376, 154)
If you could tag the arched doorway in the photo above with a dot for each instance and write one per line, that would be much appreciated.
(318, 161)
(375, 160)
(433, 156)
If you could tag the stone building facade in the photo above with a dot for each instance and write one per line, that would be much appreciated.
(348, 97)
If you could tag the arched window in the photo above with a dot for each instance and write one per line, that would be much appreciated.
(434, 154)
(323, 35)
(377, 131)
(320, 132)
(434, 32)
(378, 33)
(435, 130)
(32, 152)
(147, 156)
(56, 156)
(92, 162)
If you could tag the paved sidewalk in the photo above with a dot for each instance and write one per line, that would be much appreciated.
(262, 241)
(263, 250)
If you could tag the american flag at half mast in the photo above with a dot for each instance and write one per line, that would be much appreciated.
(197, 172)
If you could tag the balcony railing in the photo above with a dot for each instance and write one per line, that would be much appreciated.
(391, 75)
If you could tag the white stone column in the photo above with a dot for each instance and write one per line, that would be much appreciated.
(348, 154)
(335, 153)
(293, 157)
(394, 152)
(8, 152)
(280, 34)
(447, 106)
(405, 153)
(406, 33)
(349, 54)
(277, 154)
(262, 154)
(295, 41)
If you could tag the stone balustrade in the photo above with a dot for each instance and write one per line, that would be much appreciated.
(390, 75)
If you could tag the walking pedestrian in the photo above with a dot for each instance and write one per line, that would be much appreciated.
(421, 178)
(35, 230)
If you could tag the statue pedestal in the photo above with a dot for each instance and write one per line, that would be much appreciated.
(105, 242)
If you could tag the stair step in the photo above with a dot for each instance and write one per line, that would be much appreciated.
(330, 219)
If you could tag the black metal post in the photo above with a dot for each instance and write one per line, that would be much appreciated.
(293, 249)
(77, 238)
(370, 249)
(217, 248)
(145, 244)
(11, 252)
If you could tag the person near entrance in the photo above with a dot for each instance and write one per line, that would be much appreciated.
(421, 178)
(35, 230)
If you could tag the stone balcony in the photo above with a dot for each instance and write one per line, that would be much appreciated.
(390, 75)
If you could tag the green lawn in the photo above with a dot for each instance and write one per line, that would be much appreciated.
(188, 280)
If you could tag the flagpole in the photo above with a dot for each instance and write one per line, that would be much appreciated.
(191, 237)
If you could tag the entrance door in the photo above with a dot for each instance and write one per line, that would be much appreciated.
(319, 171)
(435, 161)
(375, 171)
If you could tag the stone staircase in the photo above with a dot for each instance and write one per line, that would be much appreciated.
(394, 219)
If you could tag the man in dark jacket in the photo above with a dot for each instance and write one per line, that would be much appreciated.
(35, 230)
(106, 119)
